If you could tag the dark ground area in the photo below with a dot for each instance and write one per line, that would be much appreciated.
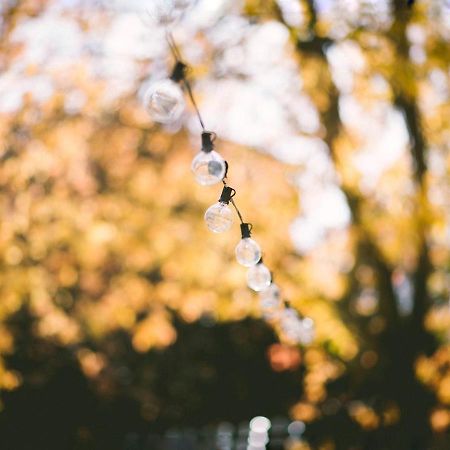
(211, 375)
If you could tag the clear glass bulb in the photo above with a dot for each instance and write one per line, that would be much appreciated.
(272, 293)
(307, 331)
(258, 277)
(209, 168)
(219, 217)
(270, 302)
(164, 101)
(248, 252)
(270, 297)
(291, 324)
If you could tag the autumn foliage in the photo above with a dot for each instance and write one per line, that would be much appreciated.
(105, 258)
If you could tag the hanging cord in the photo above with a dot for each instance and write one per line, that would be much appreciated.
(234, 204)
(177, 55)
(237, 210)
(173, 46)
(207, 145)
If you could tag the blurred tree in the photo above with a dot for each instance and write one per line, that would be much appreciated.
(117, 302)
(381, 390)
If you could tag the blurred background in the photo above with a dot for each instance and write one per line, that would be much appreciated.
(125, 324)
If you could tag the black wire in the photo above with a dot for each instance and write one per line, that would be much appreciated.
(237, 210)
(177, 55)
(194, 103)
(234, 204)
(173, 46)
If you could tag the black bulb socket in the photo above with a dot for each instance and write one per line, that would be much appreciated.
(246, 230)
(227, 194)
(207, 141)
(178, 72)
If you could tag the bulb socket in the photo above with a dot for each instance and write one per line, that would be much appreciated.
(246, 229)
(178, 72)
(227, 194)
(208, 141)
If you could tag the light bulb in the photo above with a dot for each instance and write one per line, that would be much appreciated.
(164, 101)
(270, 297)
(307, 331)
(209, 168)
(219, 217)
(291, 324)
(248, 252)
(258, 277)
(297, 329)
(270, 302)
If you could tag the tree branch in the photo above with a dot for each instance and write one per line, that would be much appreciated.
(331, 120)
(406, 101)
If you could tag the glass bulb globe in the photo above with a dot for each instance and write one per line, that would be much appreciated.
(219, 217)
(258, 277)
(291, 324)
(248, 252)
(272, 293)
(209, 168)
(164, 101)
(307, 331)
(270, 303)
(270, 297)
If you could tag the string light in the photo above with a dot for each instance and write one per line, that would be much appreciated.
(307, 331)
(271, 295)
(248, 252)
(290, 324)
(270, 301)
(219, 216)
(208, 166)
(164, 99)
(295, 328)
(259, 277)
(165, 102)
